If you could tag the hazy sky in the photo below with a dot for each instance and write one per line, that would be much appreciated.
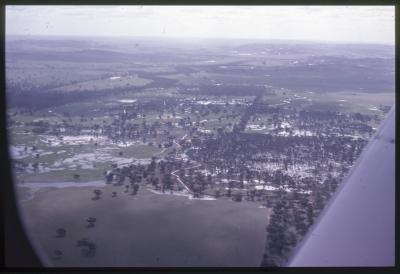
(324, 23)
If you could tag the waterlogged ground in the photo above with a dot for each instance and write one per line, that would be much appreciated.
(146, 230)
(58, 159)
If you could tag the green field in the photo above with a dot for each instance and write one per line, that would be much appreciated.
(146, 230)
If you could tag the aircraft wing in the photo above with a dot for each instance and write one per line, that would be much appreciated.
(357, 226)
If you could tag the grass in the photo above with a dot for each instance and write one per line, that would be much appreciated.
(66, 175)
(137, 151)
(24, 139)
(147, 229)
(200, 78)
(126, 81)
(354, 101)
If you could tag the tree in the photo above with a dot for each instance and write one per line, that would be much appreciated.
(82, 242)
(209, 179)
(91, 221)
(96, 192)
(167, 182)
(57, 254)
(290, 240)
(200, 180)
(268, 261)
(275, 237)
(61, 232)
(135, 189)
(89, 248)
(252, 194)
(90, 251)
(319, 200)
(181, 173)
(109, 177)
(237, 197)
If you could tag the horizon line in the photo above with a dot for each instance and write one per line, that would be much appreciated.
(155, 37)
